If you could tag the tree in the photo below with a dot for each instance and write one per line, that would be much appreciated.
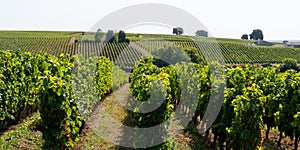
(202, 33)
(289, 63)
(257, 34)
(121, 36)
(170, 55)
(285, 41)
(98, 35)
(178, 31)
(245, 37)
(127, 40)
(110, 37)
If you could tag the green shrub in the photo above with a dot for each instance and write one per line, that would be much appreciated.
(289, 63)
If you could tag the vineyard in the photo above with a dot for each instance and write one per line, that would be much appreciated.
(65, 79)
(254, 97)
(69, 87)
(124, 55)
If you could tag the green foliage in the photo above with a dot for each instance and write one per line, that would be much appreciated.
(244, 132)
(104, 76)
(269, 81)
(296, 124)
(171, 55)
(195, 83)
(84, 84)
(91, 81)
(98, 35)
(183, 82)
(150, 82)
(178, 31)
(151, 79)
(63, 128)
(236, 82)
(233, 51)
(64, 88)
(18, 88)
(122, 37)
(256, 34)
(110, 37)
(289, 104)
(67, 88)
(289, 63)
(194, 55)
(71, 89)
(201, 33)
(255, 96)
(228, 50)
(245, 37)
(119, 77)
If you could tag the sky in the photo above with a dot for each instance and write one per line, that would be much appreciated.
(222, 18)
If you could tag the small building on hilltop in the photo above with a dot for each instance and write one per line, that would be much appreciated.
(262, 43)
(292, 44)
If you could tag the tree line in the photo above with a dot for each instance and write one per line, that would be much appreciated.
(180, 31)
(110, 37)
(256, 34)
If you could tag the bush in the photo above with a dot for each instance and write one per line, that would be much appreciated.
(18, 88)
(156, 83)
(289, 63)
(71, 89)
(171, 55)
(63, 128)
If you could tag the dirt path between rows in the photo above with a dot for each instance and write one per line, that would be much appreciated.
(104, 130)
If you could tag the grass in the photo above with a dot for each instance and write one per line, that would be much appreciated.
(89, 139)
(24, 136)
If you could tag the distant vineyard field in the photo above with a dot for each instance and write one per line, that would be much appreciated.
(230, 51)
